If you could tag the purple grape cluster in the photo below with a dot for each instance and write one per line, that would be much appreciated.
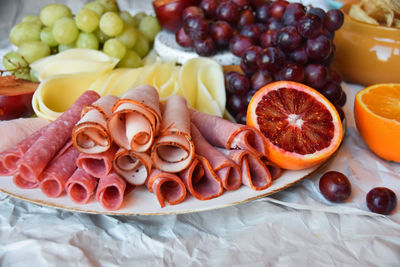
(276, 41)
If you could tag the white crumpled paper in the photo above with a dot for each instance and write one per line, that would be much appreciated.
(296, 227)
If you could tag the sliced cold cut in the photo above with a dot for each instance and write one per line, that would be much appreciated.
(97, 165)
(35, 160)
(80, 186)
(136, 118)
(90, 135)
(167, 187)
(110, 191)
(173, 150)
(134, 166)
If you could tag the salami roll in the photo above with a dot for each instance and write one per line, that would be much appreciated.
(229, 135)
(228, 171)
(98, 165)
(136, 118)
(35, 160)
(110, 191)
(22, 183)
(53, 179)
(200, 179)
(90, 135)
(173, 150)
(80, 186)
(255, 173)
(135, 167)
(167, 187)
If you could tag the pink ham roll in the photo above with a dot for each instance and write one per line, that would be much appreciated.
(90, 135)
(229, 135)
(273, 169)
(255, 173)
(80, 186)
(110, 191)
(55, 176)
(227, 170)
(200, 179)
(136, 119)
(173, 150)
(35, 160)
(98, 165)
(135, 167)
(22, 183)
(167, 187)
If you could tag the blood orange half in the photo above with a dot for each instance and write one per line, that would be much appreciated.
(302, 128)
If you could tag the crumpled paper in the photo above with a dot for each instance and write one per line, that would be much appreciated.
(296, 226)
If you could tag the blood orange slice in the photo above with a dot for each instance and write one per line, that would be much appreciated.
(302, 128)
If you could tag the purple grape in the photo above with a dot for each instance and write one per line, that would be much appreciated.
(319, 48)
(196, 27)
(260, 78)
(242, 4)
(271, 59)
(261, 26)
(251, 31)
(332, 91)
(235, 104)
(249, 59)
(205, 47)
(315, 75)
(277, 9)
(288, 39)
(327, 34)
(250, 95)
(318, 12)
(293, 12)
(299, 56)
(221, 32)
(262, 13)
(239, 44)
(292, 72)
(342, 100)
(239, 84)
(227, 76)
(229, 12)
(381, 200)
(257, 3)
(335, 186)
(241, 117)
(333, 20)
(340, 112)
(274, 24)
(268, 38)
(329, 60)
(334, 77)
(192, 11)
(209, 8)
(182, 38)
(246, 17)
(309, 26)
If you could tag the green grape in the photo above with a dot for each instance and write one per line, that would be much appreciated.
(46, 36)
(96, 7)
(114, 48)
(128, 36)
(149, 26)
(127, 18)
(12, 61)
(109, 5)
(24, 32)
(63, 47)
(87, 40)
(111, 24)
(142, 45)
(34, 76)
(130, 60)
(138, 18)
(53, 12)
(101, 36)
(65, 31)
(87, 20)
(32, 18)
(33, 50)
(22, 74)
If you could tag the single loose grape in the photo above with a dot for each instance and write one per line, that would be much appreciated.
(114, 48)
(33, 50)
(335, 186)
(65, 31)
(13, 60)
(87, 20)
(63, 47)
(111, 24)
(109, 5)
(53, 12)
(96, 7)
(128, 19)
(130, 60)
(25, 32)
(149, 26)
(142, 45)
(381, 200)
(87, 40)
(128, 36)
(32, 18)
(46, 36)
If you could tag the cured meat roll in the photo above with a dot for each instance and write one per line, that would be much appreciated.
(200, 179)
(167, 187)
(135, 167)
(110, 191)
(228, 171)
(55, 176)
(90, 134)
(22, 183)
(274, 169)
(35, 160)
(230, 135)
(136, 119)
(173, 150)
(97, 165)
(80, 186)
(255, 173)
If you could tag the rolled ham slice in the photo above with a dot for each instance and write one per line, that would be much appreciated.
(273, 169)
(167, 187)
(90, 135)
(173, 150)
(55, 176)
(98, 165)
(80, 186)
(135, 167)
(200, 179)
(255, 173)
(136, 119)
(35, 160)
(229, 135)
(228, 171)
(110, 191)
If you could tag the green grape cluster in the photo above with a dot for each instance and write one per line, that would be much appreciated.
(98, 25)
